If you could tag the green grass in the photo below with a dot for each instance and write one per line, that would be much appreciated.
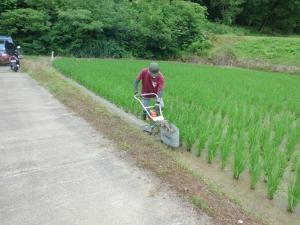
(198, 201)
(228, 112)
(218, 28)
(276, 50)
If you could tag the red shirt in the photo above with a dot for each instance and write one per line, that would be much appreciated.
(150, 84)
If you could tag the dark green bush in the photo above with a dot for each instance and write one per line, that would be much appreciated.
(147, 29)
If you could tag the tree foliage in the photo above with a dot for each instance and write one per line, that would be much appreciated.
(30, 26)
(139, 28)
(273, 15)
(222, 10)
(100, 28)
(263, 15)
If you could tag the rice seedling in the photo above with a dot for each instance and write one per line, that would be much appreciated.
(202, 139)
(205, 123)
(282, 162)
(293, 140)
(215, 139)
(267, 150)
(294, 190)
(252, 135)
(226, 147)
(254, 165)
(275, 170)
(212, 146)
(279, 133)
(239, 158)
(190, 137)
(295, 161)
(273, 181)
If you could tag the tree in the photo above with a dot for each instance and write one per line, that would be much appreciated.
(271, 14)
(6, 5)
(74, 29)
(101, 28)
(28, 26)
(224, 11)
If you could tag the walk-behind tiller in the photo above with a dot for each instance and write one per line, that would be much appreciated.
(167, 132)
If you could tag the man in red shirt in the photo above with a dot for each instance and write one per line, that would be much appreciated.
(152, 82)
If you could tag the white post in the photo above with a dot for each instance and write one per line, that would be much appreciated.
(52, 56)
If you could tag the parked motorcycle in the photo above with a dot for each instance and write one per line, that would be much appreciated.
(14, 55)
(14, 62)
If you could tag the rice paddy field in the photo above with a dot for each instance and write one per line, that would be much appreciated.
(245, 120)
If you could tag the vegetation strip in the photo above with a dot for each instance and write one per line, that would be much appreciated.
(151, 155)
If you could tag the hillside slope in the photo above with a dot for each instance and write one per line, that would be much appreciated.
(257, 51)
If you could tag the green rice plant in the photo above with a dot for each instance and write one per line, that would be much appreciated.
(205, 121)
(184, 132)
(294, 190)
(226, 147)
(240, 121)
(254, 165)
(202, 139)
(249, 117)
(190, 137)
(265, 139)
(245, 118)
(223, 108)
(212, 148)
(295, 161)
(279, 132)
(230, 110)
(275, 170)
(293, 140)
(253, 134)
(239, 158)
(267, 149)
(273, 181)
(215, 140)
(283, 162)
(225, 152)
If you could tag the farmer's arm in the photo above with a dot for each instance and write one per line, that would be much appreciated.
(160, 93)
(161, 86)
(137, 81)
(135, 86)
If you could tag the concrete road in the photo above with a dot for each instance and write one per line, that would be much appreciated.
(56, 169)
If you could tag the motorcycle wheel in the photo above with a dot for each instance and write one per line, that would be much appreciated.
(14, 67)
